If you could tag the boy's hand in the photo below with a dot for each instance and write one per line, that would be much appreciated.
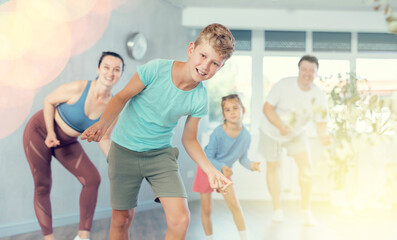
(255, 166)
(219, 181)
(94, 133)
(227, 171)
(224, 192)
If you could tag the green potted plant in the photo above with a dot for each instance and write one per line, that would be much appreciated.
(358, 121)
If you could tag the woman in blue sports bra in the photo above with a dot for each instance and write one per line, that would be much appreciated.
(53, 131)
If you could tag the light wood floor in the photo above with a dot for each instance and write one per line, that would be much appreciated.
(333, 224)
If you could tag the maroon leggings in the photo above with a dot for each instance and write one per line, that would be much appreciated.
(72, 156)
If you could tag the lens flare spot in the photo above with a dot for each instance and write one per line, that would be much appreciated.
(12, 119)
(63, 10)
(34, 71)
(21, 75)
(11, 97)
(15, 105)
(5, 66)
(85, 32)
(7, 6)
(118, 3)
(102, 6)
(125, 6)
(15, 35)
(51, 37)
(55, 43)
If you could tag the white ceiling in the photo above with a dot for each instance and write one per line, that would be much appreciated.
(350, 5)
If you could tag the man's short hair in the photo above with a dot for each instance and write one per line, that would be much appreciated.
(309, 58)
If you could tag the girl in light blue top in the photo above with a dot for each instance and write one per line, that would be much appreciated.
(228, 143)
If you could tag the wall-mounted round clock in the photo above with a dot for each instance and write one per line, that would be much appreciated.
(136, 46)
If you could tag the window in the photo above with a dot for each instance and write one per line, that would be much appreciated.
(377, 42)
(331, 42)
(234, 77)
(328, 72)
(285, 41)
(276, 68)
(381, 74)
(243, 39)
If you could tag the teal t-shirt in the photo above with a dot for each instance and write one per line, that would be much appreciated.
(148, 119)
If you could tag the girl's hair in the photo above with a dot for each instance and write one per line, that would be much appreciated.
(113, 54)
(231, 97)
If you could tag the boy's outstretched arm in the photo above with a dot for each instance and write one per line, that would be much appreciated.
(105, 142)
(193, 148)
(114, 107)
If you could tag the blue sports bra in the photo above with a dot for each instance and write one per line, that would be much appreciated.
(74, 114)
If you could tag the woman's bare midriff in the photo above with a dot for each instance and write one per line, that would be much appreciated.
(65, 128)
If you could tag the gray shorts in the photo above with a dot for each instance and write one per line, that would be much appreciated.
(128, 168)
(271, 149)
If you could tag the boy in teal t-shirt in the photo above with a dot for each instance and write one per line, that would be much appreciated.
(155, 98)
(153, 114)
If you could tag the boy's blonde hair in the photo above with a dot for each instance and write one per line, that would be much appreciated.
(219, 37)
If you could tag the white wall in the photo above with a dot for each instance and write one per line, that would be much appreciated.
(279, 19)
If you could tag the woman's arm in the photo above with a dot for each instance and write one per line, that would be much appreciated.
(113, 109)
(193, 148)
(62, 94)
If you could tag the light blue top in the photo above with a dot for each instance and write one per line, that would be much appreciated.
(74, 114)
(223, 150)
(148, 120)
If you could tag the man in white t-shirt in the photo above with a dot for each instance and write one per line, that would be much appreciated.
(290, 106)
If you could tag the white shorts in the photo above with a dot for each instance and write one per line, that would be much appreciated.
(271, 149)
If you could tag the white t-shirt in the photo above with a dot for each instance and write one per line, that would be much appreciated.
(295, 107)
